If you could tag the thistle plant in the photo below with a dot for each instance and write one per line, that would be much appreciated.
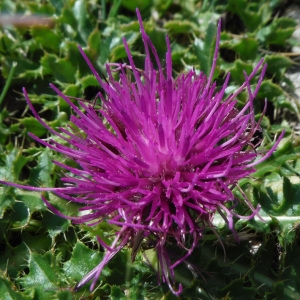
(159, 158)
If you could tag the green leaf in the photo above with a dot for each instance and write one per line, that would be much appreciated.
(94, 43)
(284, 153)
(291, 273)
(273, 92)
(54, 225)
(113, 12)
(72, 90)
(277, 65)
(246, 48)
(81, 14)
(13, 162)
(82, 261)
(21, 216)
(252, 15)
(238, 68)
(32, 125)
(205, 50)
(117, 293)
(48, 38)
(291, 196)
(8, 291)
(6, 201)
(118, 53)
(42, 174)
(13, 258)
(67, 17)
(277, 32)
(180, 26)
(88, 81)
(61, 68)
(32, 201)
(43, 275)
(45, 9)
(133, 4)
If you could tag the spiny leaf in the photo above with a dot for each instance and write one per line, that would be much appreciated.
(49, 39)
(7, 291)
(13, 162)
(78, 265)
(43, 276)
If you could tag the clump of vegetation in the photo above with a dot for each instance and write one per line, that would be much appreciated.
(41, 254)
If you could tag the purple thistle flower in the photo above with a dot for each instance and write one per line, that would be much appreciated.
(159, 158)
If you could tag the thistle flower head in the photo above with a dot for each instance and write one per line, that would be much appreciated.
(159, 158)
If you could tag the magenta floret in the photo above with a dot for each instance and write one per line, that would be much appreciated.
(159, 158)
